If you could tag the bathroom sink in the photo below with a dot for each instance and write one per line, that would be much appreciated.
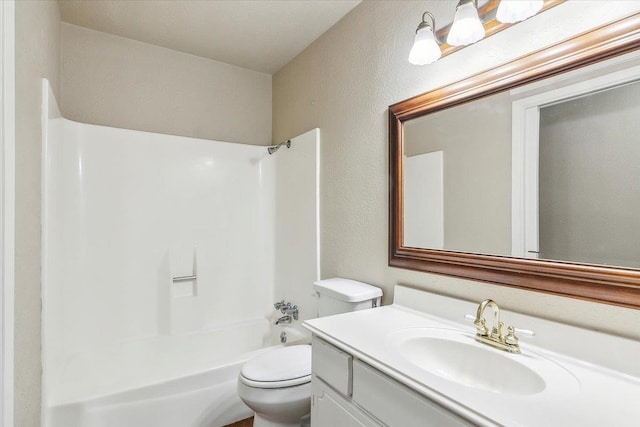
(456, 357)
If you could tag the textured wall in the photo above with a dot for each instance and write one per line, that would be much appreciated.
(344, 82)
(114, 81)
(37, 56)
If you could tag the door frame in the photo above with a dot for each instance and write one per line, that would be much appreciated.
(7, 208)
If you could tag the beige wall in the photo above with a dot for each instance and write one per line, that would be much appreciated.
(114, 81)
(37, 56)
(343, 84)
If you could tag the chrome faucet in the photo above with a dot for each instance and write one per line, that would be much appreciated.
(495, 338)
(284, 319)
(289, 310)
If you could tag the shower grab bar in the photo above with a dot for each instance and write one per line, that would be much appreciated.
(184, 278)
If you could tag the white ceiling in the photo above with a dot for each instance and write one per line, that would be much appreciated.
(259, 35)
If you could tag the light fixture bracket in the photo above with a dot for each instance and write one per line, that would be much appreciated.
(432, 26)
(425, 24)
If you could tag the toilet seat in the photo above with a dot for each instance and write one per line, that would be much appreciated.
(283, 367)
(275, 384)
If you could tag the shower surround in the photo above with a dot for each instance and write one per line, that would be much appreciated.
(162, 256)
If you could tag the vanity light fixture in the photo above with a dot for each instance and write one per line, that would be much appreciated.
(426, 48)
(512, 11)
(467, 27)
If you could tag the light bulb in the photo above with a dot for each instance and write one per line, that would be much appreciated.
(425, 48)
(466, 28)
(511, 11)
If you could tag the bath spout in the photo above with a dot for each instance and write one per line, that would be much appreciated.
(284, 319)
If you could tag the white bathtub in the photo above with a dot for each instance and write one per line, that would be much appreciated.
(199, 391)
(123, 342)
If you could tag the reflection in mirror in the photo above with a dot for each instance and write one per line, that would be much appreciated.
(474, 140)
(550, 171)
(589, 178)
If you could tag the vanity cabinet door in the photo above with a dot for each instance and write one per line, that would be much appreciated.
(396, 405)
(330, 409)
(332, 365)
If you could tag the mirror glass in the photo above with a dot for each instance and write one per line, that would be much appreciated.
(550, 170)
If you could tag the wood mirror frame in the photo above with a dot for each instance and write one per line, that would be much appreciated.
(611, 285)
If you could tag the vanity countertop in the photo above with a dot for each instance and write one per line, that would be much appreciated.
(575, 392)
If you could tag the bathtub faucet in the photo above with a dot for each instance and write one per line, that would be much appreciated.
(284, 319)
(287, 308)
(291, 310)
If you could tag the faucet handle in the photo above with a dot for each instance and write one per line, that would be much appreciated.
(511, 338)
(524, 332)
(470, 317)
(279, 304)
(285, 308)
(527, 333)
(480, 324)
(292, 310)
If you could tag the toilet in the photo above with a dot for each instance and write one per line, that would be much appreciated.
(277, 385)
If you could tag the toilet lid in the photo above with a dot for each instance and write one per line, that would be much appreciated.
(283, 367)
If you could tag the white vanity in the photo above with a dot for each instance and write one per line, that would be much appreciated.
(416, 362)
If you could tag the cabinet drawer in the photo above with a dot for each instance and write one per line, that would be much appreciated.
(332, 365)
(396, 405)
(330, 409)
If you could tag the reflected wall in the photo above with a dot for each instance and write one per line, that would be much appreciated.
(590, 178)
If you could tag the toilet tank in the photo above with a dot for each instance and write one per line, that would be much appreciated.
(338, 295)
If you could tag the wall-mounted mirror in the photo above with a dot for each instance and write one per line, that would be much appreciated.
(528, 174)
